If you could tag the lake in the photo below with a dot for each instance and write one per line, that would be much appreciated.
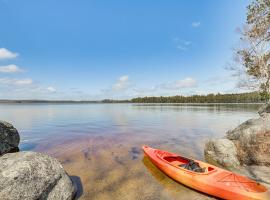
(99, 145)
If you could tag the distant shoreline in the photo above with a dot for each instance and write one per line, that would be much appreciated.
(45, 101)
(126, 102)
(237, 98)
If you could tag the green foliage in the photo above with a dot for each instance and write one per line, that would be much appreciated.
(114, 101)
(265, 96)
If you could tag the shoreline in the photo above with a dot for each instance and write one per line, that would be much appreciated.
(100, 102)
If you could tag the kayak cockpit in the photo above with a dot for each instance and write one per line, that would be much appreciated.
(188, 164)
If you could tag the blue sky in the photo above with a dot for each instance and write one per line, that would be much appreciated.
(119, 49)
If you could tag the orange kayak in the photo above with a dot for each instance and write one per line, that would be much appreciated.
(206, 178)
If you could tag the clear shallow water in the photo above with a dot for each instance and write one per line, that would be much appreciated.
(100, 144)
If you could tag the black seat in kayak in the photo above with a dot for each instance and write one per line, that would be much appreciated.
(193, 166)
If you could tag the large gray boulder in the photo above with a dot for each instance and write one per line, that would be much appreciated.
(9, 138)
(248, 130)
(31, 176)
(221, 152)
(250, 143)
(252, 139)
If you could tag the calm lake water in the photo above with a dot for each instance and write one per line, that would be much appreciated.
(99, 145)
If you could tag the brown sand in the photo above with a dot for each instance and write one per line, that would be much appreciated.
(115, 168)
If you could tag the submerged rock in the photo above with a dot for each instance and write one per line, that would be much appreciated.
(30, 175)
(221, 152)
(9, 138)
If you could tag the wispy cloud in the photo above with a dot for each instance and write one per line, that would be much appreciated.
(6, 54)
(119, 90)
(16, 82)
(12, 88)
(196, 24)
(178, 87)
(23, 82)
(181, 44)
(122, 83)
(179, 84)
(220, 79)
(10, 69)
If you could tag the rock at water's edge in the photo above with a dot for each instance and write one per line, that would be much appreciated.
(30, 175)
(246, 149)
(9, 138)
(264, 109)
(252, 139)
(221, 152)
(249, 143)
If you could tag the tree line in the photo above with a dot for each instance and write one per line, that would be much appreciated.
(251, 97)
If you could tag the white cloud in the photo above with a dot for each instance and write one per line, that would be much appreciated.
(10, 69)
(51, 89)
(6, 54)
(16, 82)
(186, 83)
(122, 83)
(195, 24)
